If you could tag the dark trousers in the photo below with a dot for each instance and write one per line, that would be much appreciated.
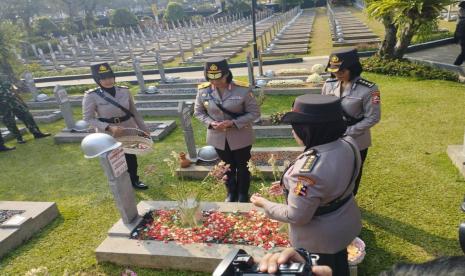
(338, 262)
(363, 155)
(25, 116)
(239, 175)
(461, 57)
(131, 160)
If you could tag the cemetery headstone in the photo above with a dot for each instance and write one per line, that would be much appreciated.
(31, 85)
(62, 99)
(161, 68)
(250, 70)
(34, 50)
(42, 56)
(139, 75)
(186, 123)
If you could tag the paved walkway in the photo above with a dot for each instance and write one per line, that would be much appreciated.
(443, 54)
(307, 63)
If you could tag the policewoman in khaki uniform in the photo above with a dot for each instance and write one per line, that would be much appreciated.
(111, 108)
(228, 109)
(361, 102)
(321, 211)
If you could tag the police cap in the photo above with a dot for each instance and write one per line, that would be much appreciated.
(216, 68)
(101, 71)
(342, 59)
(314, 109)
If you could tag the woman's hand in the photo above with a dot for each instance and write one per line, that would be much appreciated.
(115, 130)
(258, 200)
(276, 189)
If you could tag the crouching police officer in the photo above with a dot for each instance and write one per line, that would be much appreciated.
(321, 211)
(228, 109)
(111, 108)
(361, 100)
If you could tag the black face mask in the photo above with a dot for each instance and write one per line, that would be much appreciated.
(318, 134)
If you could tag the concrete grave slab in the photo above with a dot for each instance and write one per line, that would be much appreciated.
(456, 154)
(19, 228)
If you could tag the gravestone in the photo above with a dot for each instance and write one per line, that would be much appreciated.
(161, 68)
(65, 106)
(60, 50)
(260, 63)
(250, 70)
(186, 123)
(50, 48)
(139, 75)
(31, 86)
(34, 50)
(115, 167)
(42, 56)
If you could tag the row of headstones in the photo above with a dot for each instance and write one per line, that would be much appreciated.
(156, 34)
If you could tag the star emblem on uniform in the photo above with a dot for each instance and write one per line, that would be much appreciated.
(102, 68)
(213, 67)
(334, 59)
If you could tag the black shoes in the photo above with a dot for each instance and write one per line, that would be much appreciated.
(5, 148)
(20, 140)
(140, 185)
(231, 197)
(243, 198)
(39, 135)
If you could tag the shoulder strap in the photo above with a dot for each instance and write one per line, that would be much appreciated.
(354, 173)
(221, 107)
(113, 102)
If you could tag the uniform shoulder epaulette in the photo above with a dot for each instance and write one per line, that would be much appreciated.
(331, 79)
(122, 86)
(91, 90)
(204, 85)
(241, 83)
(365, 82)
(310, 161)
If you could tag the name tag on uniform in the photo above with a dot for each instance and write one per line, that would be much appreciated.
(236, 98)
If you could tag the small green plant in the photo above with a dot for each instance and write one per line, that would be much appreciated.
(276, 118)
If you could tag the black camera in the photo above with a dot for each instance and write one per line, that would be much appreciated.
(238, 263)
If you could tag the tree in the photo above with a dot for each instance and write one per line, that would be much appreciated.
(289, 4)
(238, 6)
(44, 27)
(123, 18)
(402, 20)
(174, 12)
(22, 9)
(10, 37)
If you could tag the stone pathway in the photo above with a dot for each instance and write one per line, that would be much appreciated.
(442, 54)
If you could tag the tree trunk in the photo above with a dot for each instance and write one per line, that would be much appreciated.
(405, 39)
(387, 47)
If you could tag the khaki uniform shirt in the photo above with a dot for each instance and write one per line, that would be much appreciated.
(315, 179)
(94, 107)
(360, 99)
(238, 98)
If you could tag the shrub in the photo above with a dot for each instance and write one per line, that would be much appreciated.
(405, 68)
(174, 11)
(123, 18)
(46, 27)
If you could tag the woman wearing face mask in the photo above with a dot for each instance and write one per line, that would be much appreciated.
(227, 108)
(111, 108)
(360, 99)
(320, 208)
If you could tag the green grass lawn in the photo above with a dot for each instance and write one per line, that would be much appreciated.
(409, 195)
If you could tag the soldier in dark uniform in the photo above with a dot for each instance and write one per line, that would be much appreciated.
(15, 106)
(228, 109)
(321, 210)
(459, 34)
(360, 99)
(111, 108)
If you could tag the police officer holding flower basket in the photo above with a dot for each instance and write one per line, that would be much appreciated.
(228, 108)
(111, 108)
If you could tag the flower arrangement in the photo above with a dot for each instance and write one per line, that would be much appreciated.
(314, 78)
(318, 68)
(293, 72)
(286, 83)
(277, 117)
(252, 228)
(218, 174)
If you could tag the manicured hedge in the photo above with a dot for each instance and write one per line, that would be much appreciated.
(405, 68)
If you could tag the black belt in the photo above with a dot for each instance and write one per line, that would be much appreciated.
(115, 120)
(331, 207)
